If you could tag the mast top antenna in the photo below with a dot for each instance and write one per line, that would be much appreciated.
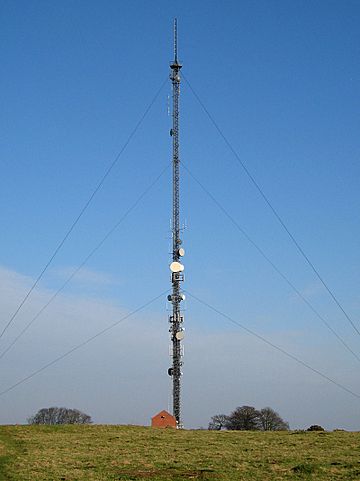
(175, 64)
(175, 40)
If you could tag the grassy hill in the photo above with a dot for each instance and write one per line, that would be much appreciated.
(69, 453)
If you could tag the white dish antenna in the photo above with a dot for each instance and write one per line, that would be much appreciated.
(176, 267)
(181, 252)
(180, 335)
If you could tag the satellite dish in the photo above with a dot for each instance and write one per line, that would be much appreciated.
(176, 267)
(180, 335)
(181, 252)
(182, 297)
(169, 297)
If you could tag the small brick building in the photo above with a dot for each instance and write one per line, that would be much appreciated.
(163, 420)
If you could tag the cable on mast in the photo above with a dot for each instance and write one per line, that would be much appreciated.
(274, 211)
(82, 211)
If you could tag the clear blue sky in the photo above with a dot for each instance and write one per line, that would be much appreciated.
(282, 81)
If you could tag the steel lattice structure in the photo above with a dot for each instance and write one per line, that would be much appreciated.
(176, 318)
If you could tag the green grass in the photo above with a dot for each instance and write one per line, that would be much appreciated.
(69, 453)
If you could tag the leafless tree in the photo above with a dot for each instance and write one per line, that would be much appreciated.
(56, 415)
(218, 422)
(244, 418)
(270, 420)
(247, 418)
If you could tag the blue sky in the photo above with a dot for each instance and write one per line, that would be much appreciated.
(281, 79)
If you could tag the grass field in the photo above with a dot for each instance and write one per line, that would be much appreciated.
(69, 453)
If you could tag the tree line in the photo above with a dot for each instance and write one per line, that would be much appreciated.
(247, 418)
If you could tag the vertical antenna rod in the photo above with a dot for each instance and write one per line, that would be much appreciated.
(177, 276)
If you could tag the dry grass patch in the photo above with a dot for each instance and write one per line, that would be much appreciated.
(109, 453)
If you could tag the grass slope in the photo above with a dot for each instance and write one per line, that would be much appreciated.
(69, 453)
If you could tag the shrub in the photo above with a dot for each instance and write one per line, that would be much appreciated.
(315, 427)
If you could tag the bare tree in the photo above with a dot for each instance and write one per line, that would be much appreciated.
(247, 418)
(218, 422)
(244, 418)
(55, 415)
(270, 420)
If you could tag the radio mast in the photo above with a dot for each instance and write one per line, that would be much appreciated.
(176, 318)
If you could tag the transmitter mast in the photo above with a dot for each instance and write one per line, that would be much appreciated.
(176, 267)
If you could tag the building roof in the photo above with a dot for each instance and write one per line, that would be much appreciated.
(163, 413)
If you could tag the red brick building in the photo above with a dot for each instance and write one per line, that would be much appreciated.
(163, 420)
